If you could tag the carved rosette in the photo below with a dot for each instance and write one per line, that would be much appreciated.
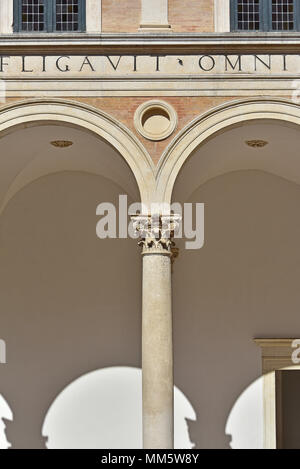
(156, 233)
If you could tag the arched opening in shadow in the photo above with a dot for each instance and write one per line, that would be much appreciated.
(103, 409)
(244, 282)
(70, 302)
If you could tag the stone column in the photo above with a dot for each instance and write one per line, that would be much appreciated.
(157, 347)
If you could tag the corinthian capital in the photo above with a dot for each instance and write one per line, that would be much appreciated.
(156, 232)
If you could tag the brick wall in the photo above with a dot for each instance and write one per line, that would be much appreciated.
(191, 15)
(184, 15)
(123, 110)
(121, 16)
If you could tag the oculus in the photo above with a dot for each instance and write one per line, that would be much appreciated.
(155, 120)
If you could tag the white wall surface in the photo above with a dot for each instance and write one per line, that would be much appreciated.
(154, 13)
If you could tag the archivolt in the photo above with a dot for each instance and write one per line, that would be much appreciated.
(208, 125)
(39, 111)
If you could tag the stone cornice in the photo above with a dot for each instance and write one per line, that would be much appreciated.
(155, 42)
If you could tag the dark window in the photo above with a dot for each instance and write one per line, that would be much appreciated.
(33, 15)
(283, 15)
(67, 15)
(248, 15)
(49, 15)
(265, 15)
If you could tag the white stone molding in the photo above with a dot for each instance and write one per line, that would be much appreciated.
(276, 355)
(93, 16)
(38, 111)
(6, 16)
(211, 123)
(154, 15)
(222, 16)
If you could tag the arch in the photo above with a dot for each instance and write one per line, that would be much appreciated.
(211, 123)
(71, 113)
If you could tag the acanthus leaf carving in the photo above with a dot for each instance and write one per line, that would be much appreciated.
(156, 232)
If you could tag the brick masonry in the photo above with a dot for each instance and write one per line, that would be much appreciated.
(191, 16)
(187, 108)
(121, 16)
(184, 15)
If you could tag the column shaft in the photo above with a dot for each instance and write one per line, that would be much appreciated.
(156, 233)
(157, 352)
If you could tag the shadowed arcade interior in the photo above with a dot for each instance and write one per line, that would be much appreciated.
(244, 282)
(70, 302)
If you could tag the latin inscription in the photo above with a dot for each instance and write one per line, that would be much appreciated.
(157, 65)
